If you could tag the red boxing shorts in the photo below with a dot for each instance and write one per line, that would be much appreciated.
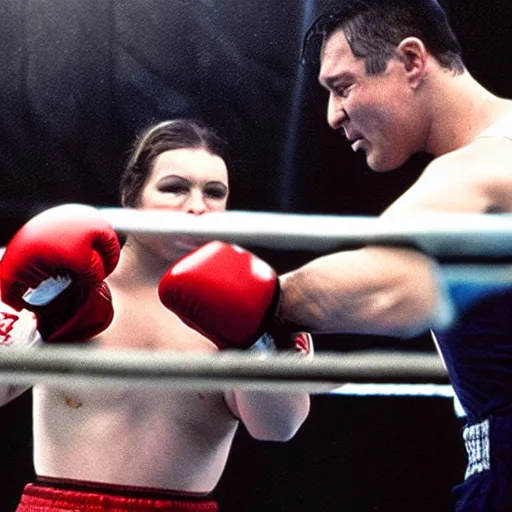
(40, 497)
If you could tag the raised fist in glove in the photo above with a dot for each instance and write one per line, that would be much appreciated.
(226, 293)
(55, 266)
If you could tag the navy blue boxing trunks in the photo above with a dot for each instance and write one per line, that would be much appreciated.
(487, 485)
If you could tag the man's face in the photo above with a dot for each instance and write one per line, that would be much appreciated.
(378, 113)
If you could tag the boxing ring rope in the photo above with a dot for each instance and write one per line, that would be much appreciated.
(441, 235)
(466, 238)
(460, 237)
(281, 371)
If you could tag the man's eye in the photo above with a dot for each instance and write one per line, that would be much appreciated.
(343, 90)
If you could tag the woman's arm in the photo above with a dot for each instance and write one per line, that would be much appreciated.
(269, 415)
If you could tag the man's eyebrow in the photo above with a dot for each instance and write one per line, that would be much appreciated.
(331, 81)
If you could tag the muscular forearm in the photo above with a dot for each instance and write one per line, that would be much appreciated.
(268, 415)
(374, 290)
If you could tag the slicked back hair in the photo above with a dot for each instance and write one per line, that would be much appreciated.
(374, 28)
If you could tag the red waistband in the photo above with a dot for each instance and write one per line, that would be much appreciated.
(43, 498)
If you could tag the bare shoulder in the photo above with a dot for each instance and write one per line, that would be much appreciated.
(486, 157)
(482, 169)
(476, 178)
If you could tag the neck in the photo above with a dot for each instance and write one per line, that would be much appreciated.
(142, 265)
(462, 110)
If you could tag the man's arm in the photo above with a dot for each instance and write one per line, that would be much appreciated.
(374, 290)
(392, 291)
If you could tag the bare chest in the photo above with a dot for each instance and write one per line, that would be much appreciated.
(142, 322)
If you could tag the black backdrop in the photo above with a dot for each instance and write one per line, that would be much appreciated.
(80, 78)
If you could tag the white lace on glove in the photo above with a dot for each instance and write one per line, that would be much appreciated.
(301, 342)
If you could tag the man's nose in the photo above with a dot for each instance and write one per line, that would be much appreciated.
(336, 114)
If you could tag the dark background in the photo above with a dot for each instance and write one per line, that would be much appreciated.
(80, 78)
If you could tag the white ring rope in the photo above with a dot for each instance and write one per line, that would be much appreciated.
(221, 370)
(443, 235)
(375, 389)
(456, 236)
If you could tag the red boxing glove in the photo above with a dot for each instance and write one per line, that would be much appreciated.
(55, 266)
(223, 291)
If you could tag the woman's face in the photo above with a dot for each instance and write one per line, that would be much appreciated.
(189, 180)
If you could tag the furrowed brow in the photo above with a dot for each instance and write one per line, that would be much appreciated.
(333, 81)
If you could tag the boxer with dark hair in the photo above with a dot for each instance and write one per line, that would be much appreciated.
(65, 279)
(397, 86)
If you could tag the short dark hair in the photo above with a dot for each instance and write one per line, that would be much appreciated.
(161, 137)
(374, 28)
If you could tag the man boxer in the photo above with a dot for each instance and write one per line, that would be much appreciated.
(398, 86)
(64, 278)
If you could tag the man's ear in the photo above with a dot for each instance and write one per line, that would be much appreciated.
(412, 53)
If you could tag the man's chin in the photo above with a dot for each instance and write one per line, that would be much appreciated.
(379, 165)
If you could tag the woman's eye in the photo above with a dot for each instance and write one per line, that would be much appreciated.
(216, 193)
(174, 189)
